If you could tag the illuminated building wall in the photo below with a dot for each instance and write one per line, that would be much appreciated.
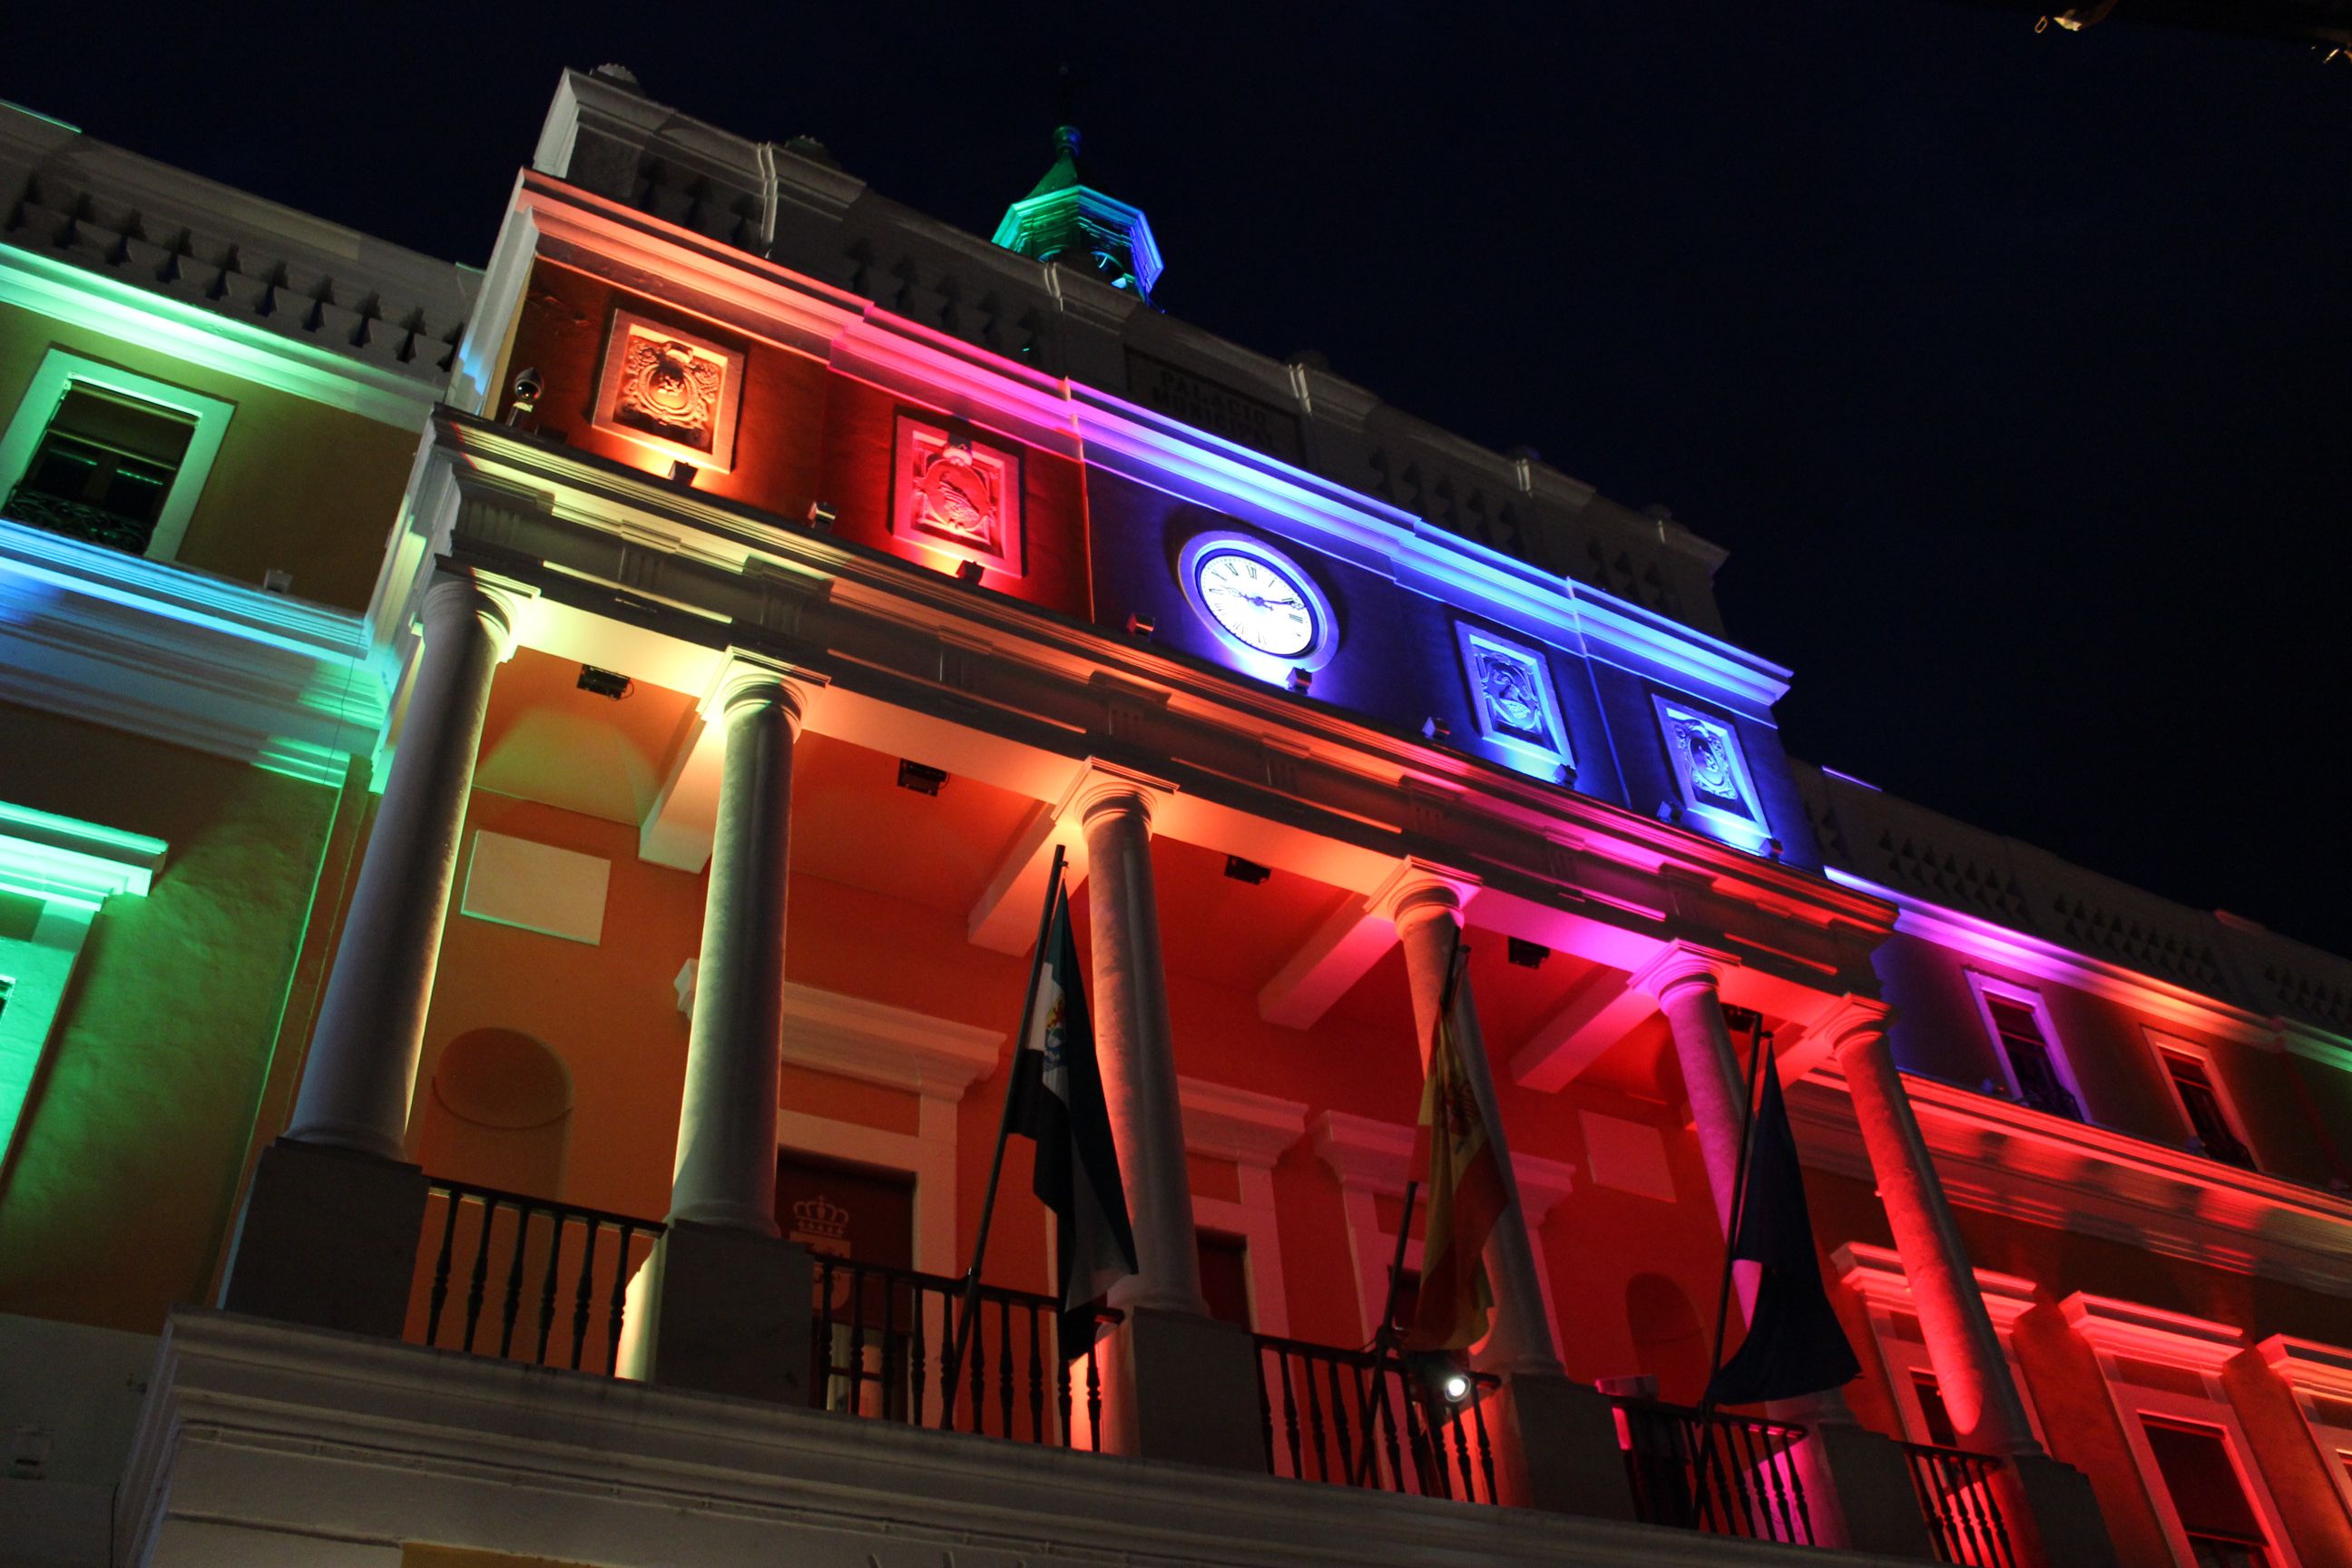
(1017, 536)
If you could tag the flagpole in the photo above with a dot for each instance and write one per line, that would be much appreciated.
(1384, 1336)
(971, 1301)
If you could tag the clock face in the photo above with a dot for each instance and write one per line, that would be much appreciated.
(1257, 602)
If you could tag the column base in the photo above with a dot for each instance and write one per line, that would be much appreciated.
(327, 1237)
(1859, 1494)
(721, 1312)
(1181, 1386)
(2053, 1517)
(1556, 1447)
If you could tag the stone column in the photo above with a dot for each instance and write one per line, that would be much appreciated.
(1427, 909)
(327, 1231)
(1555, 1440)
(723, 1303)
(1971, 1372)
(1179, 1385)
(1130, 1001)
(361, 1074)
(726, 1168)
(1687, 980)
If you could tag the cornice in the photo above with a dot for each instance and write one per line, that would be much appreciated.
(874, 1042)
(651, 543)
(65, 292)
(2005, 945)
(2309, 1367)
(177, 656)
(1877, 1275)
(2006, 1159)
(1377, 1156)
(1253, 1129)
(2122, 1328)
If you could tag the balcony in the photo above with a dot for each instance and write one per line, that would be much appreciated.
(531, 1307)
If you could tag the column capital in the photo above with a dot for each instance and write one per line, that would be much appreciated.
(1678, 965)
(498, 603)
(1103, 786)
(1418, 889)
(1852, 1023)
(747, 676)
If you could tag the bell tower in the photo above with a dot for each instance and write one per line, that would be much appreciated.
(1066, 220)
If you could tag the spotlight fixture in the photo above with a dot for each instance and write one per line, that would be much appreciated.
(609, 684)
(1444, 1373)
(920, 779)
(528, 384)
(1527, 954)
(1301, 678)
(1669, 812)
(1140, 627)
(1249, 871)
(277, 581)
(820, 515)
(1438, 730)
(682, 473)
(969, 571)
(1772, 849)
(1740, 1020)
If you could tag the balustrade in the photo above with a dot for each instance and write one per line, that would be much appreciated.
(1349, 1418)
(1720, 1473)
(1956, 1499)
(526, 1278)
(884, 1337)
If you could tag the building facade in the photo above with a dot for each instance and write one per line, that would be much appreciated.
(525, 798)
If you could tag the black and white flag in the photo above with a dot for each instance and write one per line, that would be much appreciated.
(1059, 1104)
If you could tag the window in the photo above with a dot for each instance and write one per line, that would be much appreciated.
(2213, 1130)
(1937, 1419)
(2020, 1026)
(109, 456)
(56, 874)
(2203, 1484)
(1224, 1277)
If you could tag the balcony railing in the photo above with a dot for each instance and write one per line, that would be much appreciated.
(1726, 1475)
(525, 1278)
(1956, 1498)
(882, 1342)
(1341, 1415)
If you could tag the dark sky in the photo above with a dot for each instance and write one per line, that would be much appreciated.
(2014, 371)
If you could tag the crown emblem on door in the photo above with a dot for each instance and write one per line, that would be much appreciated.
(820, 1217)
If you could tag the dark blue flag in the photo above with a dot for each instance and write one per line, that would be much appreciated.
(1795, 1343)
(1059, 1103)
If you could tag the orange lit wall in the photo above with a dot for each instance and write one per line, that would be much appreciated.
(560, 333)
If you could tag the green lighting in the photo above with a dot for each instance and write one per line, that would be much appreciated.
(64, 870)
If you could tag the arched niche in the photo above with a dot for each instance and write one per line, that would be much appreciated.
(498, 1114)
(1669, 1344)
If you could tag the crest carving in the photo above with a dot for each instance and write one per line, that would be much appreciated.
(956, 494)
(669, 390)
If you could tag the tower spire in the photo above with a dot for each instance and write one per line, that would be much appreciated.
(1065, 219)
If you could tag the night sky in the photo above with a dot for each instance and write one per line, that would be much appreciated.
(2014, 371)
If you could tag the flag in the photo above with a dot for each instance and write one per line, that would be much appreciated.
(1455, 1150)
(1058, 1104)
(1794, 1344)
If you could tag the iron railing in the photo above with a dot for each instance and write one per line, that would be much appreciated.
(526, 1278)
(1726, 1475)
(882, 1344)
(1342, 1416)
(1956, 1499)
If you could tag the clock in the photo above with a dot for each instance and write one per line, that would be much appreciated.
(1257, 599)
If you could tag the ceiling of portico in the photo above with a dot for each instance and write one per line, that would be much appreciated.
(546, 739)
